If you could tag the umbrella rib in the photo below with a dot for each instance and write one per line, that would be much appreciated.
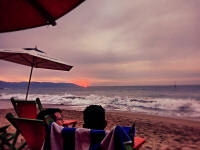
(31, 63)
(43, 12)
(36, 64)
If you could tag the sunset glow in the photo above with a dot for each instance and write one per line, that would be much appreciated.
(83, 83)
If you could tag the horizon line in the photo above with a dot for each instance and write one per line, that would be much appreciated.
(175, 85)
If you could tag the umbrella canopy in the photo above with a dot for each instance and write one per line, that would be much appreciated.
(23, 14)
(34, 58)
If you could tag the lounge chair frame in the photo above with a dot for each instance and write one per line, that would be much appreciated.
(9, 139)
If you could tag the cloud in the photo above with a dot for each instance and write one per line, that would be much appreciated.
(118, 42)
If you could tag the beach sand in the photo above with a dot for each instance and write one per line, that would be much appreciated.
(161, 133)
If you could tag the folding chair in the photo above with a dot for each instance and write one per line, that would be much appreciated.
(33, 130)
(30, 109)
(27, 109)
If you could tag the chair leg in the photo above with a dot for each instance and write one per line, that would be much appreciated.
(4, 141)
(13, 147)
(15, 140)
(22, 146)
(5, 137)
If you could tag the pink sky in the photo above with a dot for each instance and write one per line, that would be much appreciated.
(116, 43)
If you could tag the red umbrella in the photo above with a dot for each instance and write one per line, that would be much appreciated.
(34, 58)
(23, 14)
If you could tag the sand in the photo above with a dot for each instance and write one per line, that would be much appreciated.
(161, 133)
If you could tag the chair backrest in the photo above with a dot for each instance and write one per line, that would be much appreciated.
(27, 109)
(33, 130)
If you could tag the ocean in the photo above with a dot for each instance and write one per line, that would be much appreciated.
(171, 101)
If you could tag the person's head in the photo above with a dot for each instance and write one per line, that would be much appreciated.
(94, 117)
(54, 113)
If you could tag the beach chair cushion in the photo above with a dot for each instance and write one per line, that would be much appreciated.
(27, 110)
(33, 132)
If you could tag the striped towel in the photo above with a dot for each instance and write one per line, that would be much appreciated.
(64, 138)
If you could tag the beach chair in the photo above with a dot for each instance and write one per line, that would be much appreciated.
(29, 109)
(26, 109)
(33, 130)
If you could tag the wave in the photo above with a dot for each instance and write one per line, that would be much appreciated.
(185, 108)
(141, 101)
(73, 97)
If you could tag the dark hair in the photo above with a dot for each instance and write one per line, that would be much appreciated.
(94, 117)
(50, 112)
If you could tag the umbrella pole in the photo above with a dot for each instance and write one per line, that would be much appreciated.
(29, 83)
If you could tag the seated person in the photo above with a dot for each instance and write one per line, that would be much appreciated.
(94, 117)
(54, 113)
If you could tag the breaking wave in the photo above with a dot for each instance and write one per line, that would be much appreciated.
(173, 107)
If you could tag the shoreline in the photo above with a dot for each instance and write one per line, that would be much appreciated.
(6, 104)
(73, 107)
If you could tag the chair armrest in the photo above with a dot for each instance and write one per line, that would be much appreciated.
(138, 142)
(70, 122)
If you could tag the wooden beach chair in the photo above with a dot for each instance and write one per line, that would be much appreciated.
(33, 130)
(26, 109)
(29, 109)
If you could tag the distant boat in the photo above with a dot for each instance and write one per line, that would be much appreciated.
(175, 85)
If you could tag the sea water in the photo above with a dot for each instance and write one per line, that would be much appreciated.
(172, 101)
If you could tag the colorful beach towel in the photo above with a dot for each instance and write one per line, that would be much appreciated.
(64, 138)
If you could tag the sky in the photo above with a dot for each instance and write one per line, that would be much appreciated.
(116, 43)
